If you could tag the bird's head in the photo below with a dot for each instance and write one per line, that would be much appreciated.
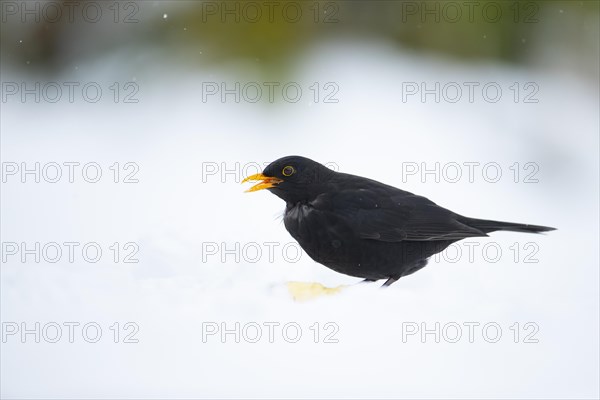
(292, 178)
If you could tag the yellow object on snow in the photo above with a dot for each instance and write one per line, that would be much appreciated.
(304, 291)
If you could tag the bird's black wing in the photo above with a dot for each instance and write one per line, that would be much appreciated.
(391, 215)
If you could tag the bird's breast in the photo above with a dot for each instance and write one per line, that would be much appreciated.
(297, 212)
(317, 230)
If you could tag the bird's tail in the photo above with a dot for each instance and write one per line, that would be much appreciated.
(488, 226)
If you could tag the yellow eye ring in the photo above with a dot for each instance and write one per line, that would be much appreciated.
(288, 170)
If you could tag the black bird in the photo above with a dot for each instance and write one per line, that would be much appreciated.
(364, 228)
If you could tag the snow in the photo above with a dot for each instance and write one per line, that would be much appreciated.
(175, 298)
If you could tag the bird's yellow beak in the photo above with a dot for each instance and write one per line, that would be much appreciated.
(266, 182)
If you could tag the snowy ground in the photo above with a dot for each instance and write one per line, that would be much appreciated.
(181, 218)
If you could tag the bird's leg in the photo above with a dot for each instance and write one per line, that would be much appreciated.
(390, 281)
(367, 280)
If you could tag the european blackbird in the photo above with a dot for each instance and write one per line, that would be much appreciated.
(364, 228)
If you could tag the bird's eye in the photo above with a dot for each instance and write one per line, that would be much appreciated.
(288, 170)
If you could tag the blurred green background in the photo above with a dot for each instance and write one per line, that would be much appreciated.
(271, 37)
